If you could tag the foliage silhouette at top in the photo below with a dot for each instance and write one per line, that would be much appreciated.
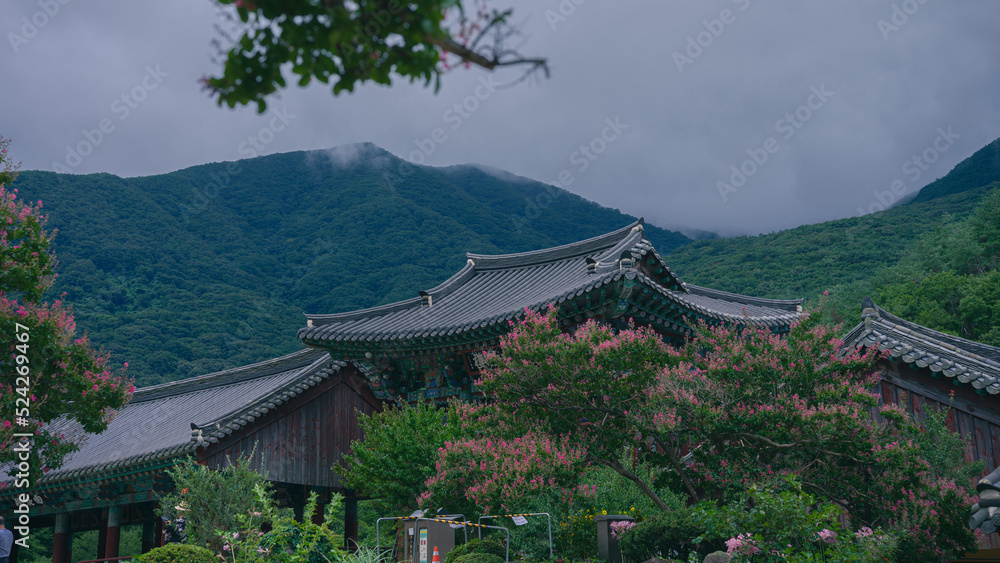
(356, 42)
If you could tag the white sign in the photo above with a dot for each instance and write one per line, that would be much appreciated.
(520, 520)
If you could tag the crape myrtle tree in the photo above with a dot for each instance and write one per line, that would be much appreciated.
(46, 371)
(731, 407)
(359, 41)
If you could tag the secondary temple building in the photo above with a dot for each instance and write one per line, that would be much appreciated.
(926, 369)
(297, 412)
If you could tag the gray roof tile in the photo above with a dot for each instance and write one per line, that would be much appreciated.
(496, 289)
(965, 360)
(986, 512)
(163, 420)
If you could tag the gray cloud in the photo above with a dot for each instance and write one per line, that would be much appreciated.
(892, 90)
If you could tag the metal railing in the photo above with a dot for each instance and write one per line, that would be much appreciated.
(546, 514)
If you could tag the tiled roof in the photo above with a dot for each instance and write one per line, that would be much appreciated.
(492, 290)
(174, 418)
(986, 512)
(967, 361)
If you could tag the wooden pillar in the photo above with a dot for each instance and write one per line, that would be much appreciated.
(148, 534)
(61, 539)
(350, 520)
(160, 534)
(113, 535)
(320, 514)
(102, 535)
(297, 498)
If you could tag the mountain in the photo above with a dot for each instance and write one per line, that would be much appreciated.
(807, 260)
(212, 266)
(980, 169)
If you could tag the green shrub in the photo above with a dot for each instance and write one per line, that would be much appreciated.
(179, 553)
(777, 518)
(211, 500)
(289, 541)
(479, 558)
(488, 546)
(662, 534)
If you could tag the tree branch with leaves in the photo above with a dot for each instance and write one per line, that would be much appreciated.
(348, 43)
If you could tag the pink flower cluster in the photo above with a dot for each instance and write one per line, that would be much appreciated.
(742, 544)
(828, 536)
(619, 527)
(499, 473)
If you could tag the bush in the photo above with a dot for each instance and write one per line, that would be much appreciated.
(179, 553)
(479, 558)
(288, 541)
(486, 546)
(664, 535)
(211, 500)
(778, 519)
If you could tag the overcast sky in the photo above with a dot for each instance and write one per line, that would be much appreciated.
(836, 96)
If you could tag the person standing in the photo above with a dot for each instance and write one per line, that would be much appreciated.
(6, 542)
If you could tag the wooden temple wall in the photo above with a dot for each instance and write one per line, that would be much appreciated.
(313, 429)
(970, 413)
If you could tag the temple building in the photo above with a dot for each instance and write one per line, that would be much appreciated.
(297, 412)
(926, 369)
(430, 346)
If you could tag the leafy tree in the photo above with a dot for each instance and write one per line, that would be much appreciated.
(585, 386)
(398, 453)
(948, 280)
(47, 373)
(352, 42)
(723, 411)
(213, 501)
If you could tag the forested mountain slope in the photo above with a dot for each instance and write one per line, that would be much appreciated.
(807, 260)
(854, 256)
(980, 169)
(212, 266)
